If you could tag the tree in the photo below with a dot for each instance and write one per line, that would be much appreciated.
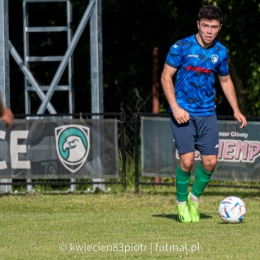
(238, 34)
(131, 29)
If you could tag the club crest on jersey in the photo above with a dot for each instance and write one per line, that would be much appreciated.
(214, 58)
(72, 145)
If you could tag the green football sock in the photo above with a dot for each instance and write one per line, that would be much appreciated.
(182, 184)
(202, 178)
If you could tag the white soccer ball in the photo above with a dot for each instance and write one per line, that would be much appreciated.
(232, 210)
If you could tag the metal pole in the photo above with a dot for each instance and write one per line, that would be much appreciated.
(96, 59)
(156, 103)
(4, 68)
(71, 106)
(136, 117)
(70, 63)
(96, 74)
(26, 54)
(123, 149)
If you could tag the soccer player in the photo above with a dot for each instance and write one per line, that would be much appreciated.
(6, 114)
(194, 62)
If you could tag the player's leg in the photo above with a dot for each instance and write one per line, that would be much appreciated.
(184, 141)
(207, 143)
(202, 178)
(203, 174)
(182, 176)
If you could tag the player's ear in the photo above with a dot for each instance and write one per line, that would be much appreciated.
(198, 24)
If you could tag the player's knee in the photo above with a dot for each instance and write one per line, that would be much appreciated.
(209, 163)
(186, 164)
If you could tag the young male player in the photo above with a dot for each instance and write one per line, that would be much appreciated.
(194, 61)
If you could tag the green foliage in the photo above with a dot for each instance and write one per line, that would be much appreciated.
(239, 34)
(131, 29)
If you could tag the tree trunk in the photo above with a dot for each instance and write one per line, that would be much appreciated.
(239, 86)
(238, 83)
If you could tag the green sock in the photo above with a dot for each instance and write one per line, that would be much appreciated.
(202, 178)
(182, 184)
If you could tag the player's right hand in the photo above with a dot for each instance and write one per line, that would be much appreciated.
(181, 115)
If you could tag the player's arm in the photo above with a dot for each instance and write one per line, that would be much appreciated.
(179, 114)
(230, 93)
(6, 114)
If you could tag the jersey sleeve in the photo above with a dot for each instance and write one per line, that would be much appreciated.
(223, 69)
(174, 56)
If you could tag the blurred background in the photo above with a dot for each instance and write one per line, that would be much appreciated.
(137, 35)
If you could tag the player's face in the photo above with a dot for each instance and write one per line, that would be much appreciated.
(208, 31)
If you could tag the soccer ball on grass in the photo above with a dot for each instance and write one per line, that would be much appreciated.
(232, 210)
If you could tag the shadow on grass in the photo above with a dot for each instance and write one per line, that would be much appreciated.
(242, 193)
(175, 216)
(231, 224)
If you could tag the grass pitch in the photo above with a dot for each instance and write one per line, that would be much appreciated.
(124, 226)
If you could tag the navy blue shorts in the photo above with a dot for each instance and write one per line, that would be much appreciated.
(199, 133)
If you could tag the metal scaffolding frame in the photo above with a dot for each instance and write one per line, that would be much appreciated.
(27, 30)
(91, 14)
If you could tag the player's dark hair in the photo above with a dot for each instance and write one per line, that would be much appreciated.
(210, 12)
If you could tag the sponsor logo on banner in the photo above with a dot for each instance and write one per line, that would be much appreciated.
(72, 145)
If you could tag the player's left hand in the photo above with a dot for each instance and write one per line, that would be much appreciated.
(241, 119)
(7, 117)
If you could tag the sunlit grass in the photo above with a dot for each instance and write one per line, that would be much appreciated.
(125, 226)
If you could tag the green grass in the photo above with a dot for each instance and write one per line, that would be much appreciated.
(35, 226)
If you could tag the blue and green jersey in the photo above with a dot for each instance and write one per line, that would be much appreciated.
(195, 77)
